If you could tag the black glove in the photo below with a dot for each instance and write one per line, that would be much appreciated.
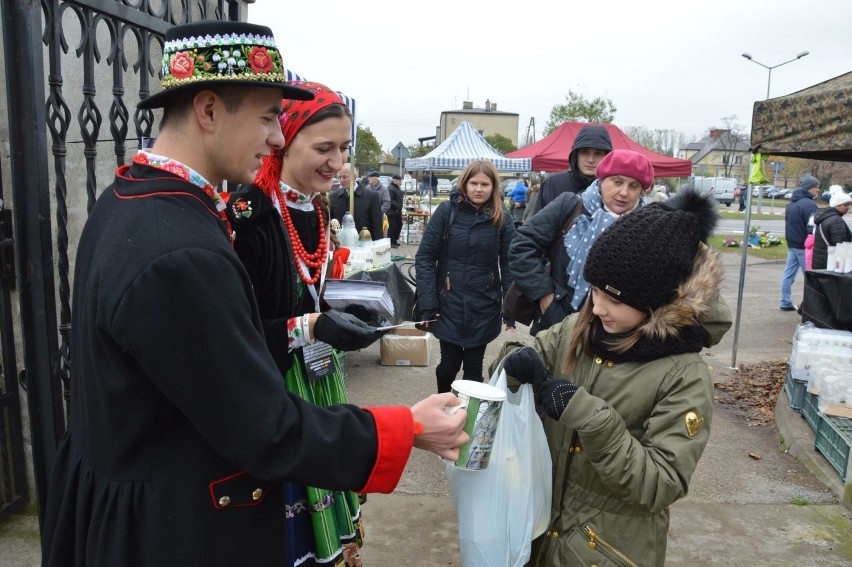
(344, 331)
(426, 316)
(361, 312)
(554, 396)
(526, 367)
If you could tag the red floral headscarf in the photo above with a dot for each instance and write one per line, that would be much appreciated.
(294, 115)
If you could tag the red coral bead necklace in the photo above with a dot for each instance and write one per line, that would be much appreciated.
(314, 259)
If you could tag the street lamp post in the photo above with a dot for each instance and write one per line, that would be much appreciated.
(748, 217)
(770, 67)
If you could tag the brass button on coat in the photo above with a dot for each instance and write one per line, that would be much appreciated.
(598, 360)
(257, 494)
(224, 501)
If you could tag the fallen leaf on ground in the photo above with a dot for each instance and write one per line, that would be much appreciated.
(753, 390)
(755, 456)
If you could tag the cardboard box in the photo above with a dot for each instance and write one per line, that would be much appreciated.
(405, 346)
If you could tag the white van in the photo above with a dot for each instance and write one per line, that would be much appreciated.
(723, 189)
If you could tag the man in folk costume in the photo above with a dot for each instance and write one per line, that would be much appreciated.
(284, 241)
(181, 430)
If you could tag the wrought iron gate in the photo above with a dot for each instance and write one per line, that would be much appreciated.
(95, 51)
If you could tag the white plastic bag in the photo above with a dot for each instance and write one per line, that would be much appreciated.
(503, 508)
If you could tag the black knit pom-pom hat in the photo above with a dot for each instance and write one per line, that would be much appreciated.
(211, 53)
(644, 256)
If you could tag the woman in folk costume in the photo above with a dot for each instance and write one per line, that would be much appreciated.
(283, 239)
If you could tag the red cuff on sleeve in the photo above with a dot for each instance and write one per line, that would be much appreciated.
(394, 439)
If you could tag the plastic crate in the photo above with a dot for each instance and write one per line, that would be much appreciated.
(795, 390)
(810, 409)
(833, 438)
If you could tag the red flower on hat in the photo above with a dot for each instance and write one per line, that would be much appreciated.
(260, 60)
(182, 65)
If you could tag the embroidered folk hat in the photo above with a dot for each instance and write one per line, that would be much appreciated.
(221, 53)
(623, 261)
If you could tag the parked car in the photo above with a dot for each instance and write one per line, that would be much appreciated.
(444, 185)
(762, 190)
(780, 194)
(506, 185)
(723, 189)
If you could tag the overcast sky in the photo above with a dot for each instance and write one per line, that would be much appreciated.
(664, 64)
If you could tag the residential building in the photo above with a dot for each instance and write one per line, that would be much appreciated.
(720, 153)
(487, 121)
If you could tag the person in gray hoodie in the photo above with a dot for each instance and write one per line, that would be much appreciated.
(590, 146)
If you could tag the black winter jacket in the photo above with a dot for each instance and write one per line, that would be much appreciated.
(830, 226)
(368, 209)
(796, 216)
(395, 209)
(592, 136)
(464, 280)
(529, 256)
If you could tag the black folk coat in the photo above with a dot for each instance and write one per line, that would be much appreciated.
(180, 425)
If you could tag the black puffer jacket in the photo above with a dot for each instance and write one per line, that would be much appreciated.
(529, 255)
(464, 280)
(592, 136)
(829, 222)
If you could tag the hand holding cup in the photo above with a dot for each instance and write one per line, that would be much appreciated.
(443, 433)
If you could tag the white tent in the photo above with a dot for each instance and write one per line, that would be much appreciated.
(463, 146)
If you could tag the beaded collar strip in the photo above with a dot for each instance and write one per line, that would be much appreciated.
(187, 174)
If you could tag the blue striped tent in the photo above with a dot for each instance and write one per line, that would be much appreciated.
(463, 146)
(350, 102)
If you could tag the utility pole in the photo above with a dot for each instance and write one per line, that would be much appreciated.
(531, 132)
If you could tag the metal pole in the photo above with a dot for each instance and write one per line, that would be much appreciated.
(746, 227)
(742, 278)
(769, 82)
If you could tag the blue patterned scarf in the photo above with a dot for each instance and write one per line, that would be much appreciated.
(580, 237)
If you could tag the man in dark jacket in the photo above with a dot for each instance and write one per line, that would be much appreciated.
(831, 229)
(798, 215)
(395, 211)
(590, 146)
(182, 434)
(368, 205)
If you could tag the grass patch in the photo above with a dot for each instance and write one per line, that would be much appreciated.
(771, 253)
(737, 215)
(796, 501)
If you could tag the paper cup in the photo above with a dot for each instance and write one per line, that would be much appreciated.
(483, 404)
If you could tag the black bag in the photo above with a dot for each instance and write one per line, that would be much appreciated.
(516, 305)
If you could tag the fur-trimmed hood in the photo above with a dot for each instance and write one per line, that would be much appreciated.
(694, 299)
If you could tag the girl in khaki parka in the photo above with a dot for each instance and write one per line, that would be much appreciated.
(627, 396)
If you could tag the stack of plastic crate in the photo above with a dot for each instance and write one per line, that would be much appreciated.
(833, 439)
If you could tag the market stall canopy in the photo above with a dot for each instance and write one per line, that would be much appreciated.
(551, 152)
(463, 146)
(812, 123)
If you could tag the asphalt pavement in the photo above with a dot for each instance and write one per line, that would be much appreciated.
(781, 509)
